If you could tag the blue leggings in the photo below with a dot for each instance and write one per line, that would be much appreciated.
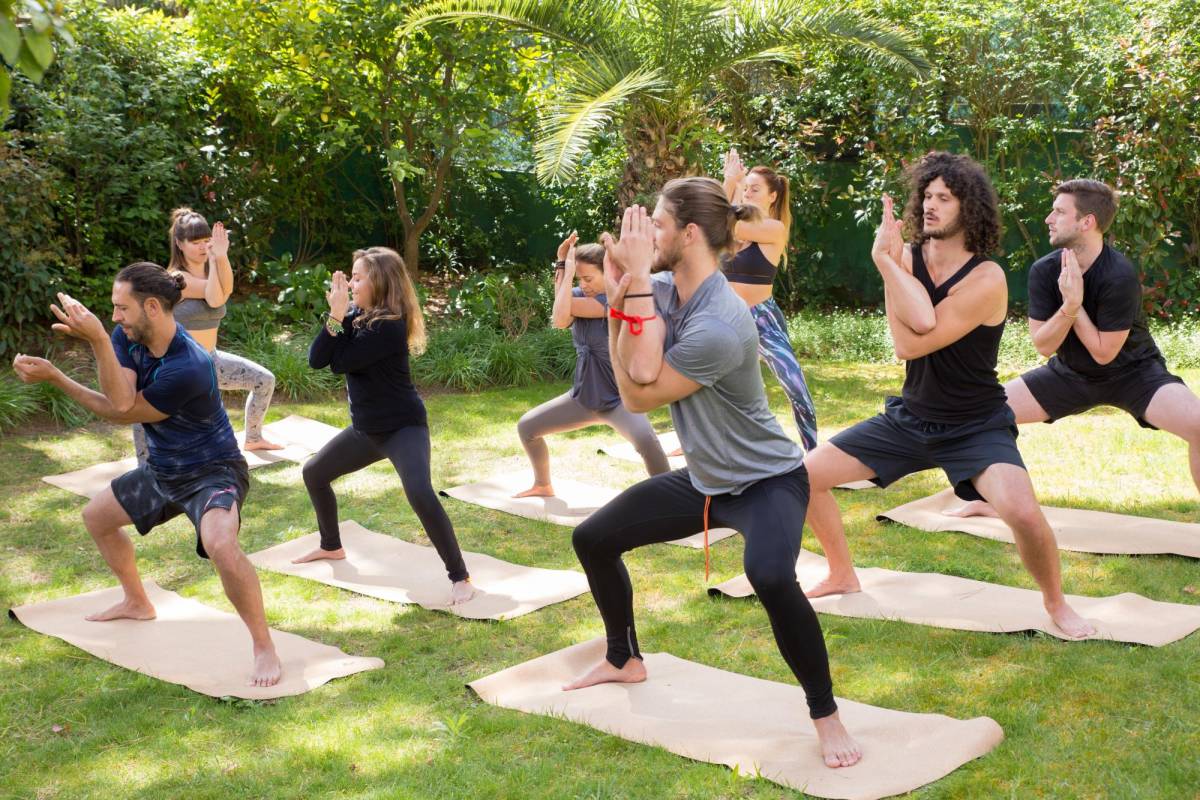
(775, 348)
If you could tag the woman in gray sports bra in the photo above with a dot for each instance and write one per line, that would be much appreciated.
(201, 254)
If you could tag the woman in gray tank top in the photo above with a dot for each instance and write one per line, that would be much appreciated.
(201, 254)
(593, 398)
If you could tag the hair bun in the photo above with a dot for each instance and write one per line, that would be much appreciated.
(180, 280)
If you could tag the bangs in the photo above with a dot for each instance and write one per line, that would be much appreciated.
(192, 227)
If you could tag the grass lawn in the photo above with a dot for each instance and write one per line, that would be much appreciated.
(1093, 719)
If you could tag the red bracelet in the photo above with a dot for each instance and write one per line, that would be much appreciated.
(636, 323)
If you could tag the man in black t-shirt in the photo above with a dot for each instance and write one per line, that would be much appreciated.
(1085, 313)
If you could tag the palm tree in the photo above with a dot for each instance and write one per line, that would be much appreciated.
(651, 65)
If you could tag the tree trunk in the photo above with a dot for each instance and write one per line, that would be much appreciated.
(652, 159)
(412, 255)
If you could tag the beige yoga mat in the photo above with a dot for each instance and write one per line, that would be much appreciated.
(572, 504)
(1075, 529)
(401, 572)
(760, 727)
(300, 436)
(670, 443)
(946, 601)
(190, 643)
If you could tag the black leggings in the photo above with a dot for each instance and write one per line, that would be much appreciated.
(770, 516)
(408, 449)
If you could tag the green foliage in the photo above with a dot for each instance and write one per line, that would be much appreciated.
(285, 353)
(27, 32)
(30, 249)
(17, 402)
(469, 358)
(301, 295)
(503, 301)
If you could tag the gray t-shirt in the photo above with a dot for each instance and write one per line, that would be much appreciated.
(730, 437)
(595, 386)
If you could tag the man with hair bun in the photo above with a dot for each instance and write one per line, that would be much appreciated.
(946, 304)
(1085, 314)
(150, 371)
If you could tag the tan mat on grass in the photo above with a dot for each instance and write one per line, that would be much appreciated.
(1075, 529)
(759, 726)
(946, 601)
(670, 443)
(190, 643)
(572, 504)
(391, 569)
(300, 436)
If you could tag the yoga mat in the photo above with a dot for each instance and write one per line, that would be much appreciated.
(670, 442)
(300, 436)
(401, 572)
(572, 504)
(759, 726)
(190, 643)
(946, 601)
(1075, 529)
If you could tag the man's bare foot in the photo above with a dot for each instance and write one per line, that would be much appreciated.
(319, 555)
(1069, 622)
(461, 592)
(537, 491)
(975, 508)
(262, 444)
(838, 748)
(634, 671)
(267, 669)
(126, 609)
(835, 584)
(676, 453)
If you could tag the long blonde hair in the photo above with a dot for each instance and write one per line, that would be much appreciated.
(185, 226)
(393, 294)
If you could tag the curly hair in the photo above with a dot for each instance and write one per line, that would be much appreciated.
(979, 212)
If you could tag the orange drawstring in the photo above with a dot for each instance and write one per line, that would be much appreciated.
(707, 503)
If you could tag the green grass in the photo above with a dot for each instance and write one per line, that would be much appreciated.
(1093, 719)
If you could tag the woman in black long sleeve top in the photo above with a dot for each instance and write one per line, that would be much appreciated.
(369, 343)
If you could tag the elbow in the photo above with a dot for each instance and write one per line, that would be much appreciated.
(908, 352)
(642, 374)
(561, 322)
(1105, 358)
(924, 326)
(1043, 351)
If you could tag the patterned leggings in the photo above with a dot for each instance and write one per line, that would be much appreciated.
(775, 348)
(233, 372)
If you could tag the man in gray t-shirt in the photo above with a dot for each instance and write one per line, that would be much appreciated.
(686, 340)
(729, 436)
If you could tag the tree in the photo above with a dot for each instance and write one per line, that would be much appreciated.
(341, 73)
(27, 28)
(657, 65)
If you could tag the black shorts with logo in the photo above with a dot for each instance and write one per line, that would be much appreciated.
(1062, 392)
(150, 500)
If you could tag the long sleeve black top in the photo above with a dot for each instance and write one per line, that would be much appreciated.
(374, 359)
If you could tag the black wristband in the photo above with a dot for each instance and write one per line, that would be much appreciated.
(560, 264)
(640, 294)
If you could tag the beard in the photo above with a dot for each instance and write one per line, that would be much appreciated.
(666, 260)
(1064, 240)
(138, 332)
(944, 232)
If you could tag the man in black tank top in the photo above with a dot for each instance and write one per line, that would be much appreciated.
(1085, 313)
(946, 305)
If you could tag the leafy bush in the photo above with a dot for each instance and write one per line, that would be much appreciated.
(285, 353)
(18, 402)
(301, 295)
(470, 358)
(504, 300)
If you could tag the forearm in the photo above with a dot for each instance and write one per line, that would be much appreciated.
(114, 386)
(904, 339)
(223, 271)
(733, 190)
(560, 316)
(629, 389)
(641, 355)
(93, 401)
(1089, 335)
(906, 297)
(1050, 335)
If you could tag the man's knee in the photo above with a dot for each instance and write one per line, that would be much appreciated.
(218, 533)
(770, 577)
(313, 475)
(98, 517)
(1025, 516)
(587, 538)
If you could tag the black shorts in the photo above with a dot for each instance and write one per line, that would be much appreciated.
(898, 443)
(150, 500)
(1061, 391)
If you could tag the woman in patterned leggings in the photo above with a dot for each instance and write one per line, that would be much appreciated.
(201, 254)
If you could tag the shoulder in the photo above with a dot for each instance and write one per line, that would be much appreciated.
(1118, 266)
(986, 279)
(1047, 263)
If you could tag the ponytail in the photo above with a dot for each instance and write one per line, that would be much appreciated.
(146, 280)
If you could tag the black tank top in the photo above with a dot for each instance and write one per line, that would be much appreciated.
(750, 265)
(957, 383)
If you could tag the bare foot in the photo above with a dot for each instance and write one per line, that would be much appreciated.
(537, 491)
(975, 508)
(319, 555)
(126, 609)
(1069, 622)
(676, 453)
(262, 444)
(634, 671)
(838, 748)
(461, 592)
(267, 669)
(835, 584)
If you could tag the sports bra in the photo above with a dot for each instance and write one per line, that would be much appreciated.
(750, 265)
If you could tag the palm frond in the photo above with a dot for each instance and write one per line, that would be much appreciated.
(595, 96)
(588, 25)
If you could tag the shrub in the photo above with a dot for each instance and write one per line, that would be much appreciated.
(18, 402)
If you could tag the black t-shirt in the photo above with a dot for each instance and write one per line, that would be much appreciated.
(374, 359)
(1112, 298)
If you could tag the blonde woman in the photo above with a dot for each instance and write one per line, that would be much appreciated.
(369, 342)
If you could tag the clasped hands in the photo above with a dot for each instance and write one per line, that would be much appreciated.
(629, 258)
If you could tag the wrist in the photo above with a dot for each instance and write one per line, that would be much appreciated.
(1069, 311)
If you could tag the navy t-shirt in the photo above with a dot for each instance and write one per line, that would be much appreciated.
(595, 386)
(183, 385)
(1112, 298)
